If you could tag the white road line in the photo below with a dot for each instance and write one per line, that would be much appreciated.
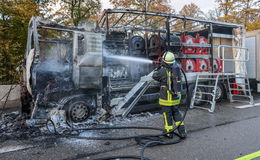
(248, 106)
(14, 148)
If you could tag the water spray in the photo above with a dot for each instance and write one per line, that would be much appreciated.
(133, 59)
(136, 59)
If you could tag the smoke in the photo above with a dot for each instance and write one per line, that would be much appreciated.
(53, 65)
(91, 60)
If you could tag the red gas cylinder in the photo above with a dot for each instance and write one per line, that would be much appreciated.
(216, 65)
(220, 65)
(188, 65)
(187, 39)
(234, 86)
(202, 41)
(202, 65)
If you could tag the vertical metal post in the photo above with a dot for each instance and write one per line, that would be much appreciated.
(107, 25)
(168, 34)
(211, 47)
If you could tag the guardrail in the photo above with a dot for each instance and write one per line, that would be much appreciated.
(242, 58)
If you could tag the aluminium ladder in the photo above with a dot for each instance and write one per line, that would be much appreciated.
(206, 84)
(126, 104)
(209, 90)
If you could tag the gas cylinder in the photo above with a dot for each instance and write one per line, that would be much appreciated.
(137, 45)
(202, 41)
(216, 65)
(156, 45)
(175, 44)
(187, 39)
(202, 65)
(188, 65)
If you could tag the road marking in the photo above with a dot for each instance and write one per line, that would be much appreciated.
(248, 106)
(250, 156)
(14, 148)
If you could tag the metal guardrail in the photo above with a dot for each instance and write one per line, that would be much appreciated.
(221, 55)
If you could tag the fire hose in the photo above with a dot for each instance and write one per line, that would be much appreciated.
(146, 140)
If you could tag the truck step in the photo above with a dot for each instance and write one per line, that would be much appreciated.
(202, 100)
(205, 86)
(237, 89)
(206, 93)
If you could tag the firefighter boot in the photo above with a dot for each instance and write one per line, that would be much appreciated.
(169, 135)
(182, 131)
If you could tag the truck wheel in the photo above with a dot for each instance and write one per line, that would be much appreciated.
(79, 109)
(199, 95)
(220, 91)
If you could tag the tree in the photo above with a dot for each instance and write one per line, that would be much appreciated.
(213, 14)
(189, 10)
(143, 5)
(75, 12)
(245, 12)
(226, 7)
(249, 13)
(14, 18)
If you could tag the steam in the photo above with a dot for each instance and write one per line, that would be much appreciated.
(53, 65)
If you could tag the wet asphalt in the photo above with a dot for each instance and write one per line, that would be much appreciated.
(226, 134)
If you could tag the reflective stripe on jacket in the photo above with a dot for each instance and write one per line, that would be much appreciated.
(170, 81)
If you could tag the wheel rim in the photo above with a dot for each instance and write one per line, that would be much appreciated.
(79, 112)
(218, 93)
(198, 95)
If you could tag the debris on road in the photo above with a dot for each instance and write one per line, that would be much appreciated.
(13, 126)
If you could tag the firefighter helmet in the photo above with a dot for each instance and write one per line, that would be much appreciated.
(168, 57)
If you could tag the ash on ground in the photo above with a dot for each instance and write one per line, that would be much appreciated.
(13, 126)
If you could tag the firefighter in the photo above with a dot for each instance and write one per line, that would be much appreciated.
(169, 76)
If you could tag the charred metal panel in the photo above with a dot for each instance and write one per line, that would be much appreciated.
(90, 77)
(87, 71)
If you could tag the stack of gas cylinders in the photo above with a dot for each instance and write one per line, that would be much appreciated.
(197, 46)
(184, 43)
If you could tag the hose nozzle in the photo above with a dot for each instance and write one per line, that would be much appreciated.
(158, 61)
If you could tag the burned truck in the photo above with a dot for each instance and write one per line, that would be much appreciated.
(71, 69)
(87, 71)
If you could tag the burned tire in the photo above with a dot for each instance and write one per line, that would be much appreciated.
(200, 95)
(80, 109)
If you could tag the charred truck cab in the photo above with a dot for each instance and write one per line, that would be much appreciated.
(79, 71)
(64, 68)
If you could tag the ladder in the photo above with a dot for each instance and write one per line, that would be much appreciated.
(126, 104)
(206, 83)
(209, 90)
(243, 93)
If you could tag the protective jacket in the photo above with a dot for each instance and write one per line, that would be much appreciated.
(169, 77)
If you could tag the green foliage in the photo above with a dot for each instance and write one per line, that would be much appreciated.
(75, 12)
(245, 12)
(14, 18)
(189, 10)
(148, 5)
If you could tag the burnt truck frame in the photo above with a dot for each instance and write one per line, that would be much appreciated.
(69, 68)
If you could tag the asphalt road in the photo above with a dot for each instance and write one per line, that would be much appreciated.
(227, 134)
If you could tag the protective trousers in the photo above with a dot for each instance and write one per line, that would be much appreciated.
(171, 114)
